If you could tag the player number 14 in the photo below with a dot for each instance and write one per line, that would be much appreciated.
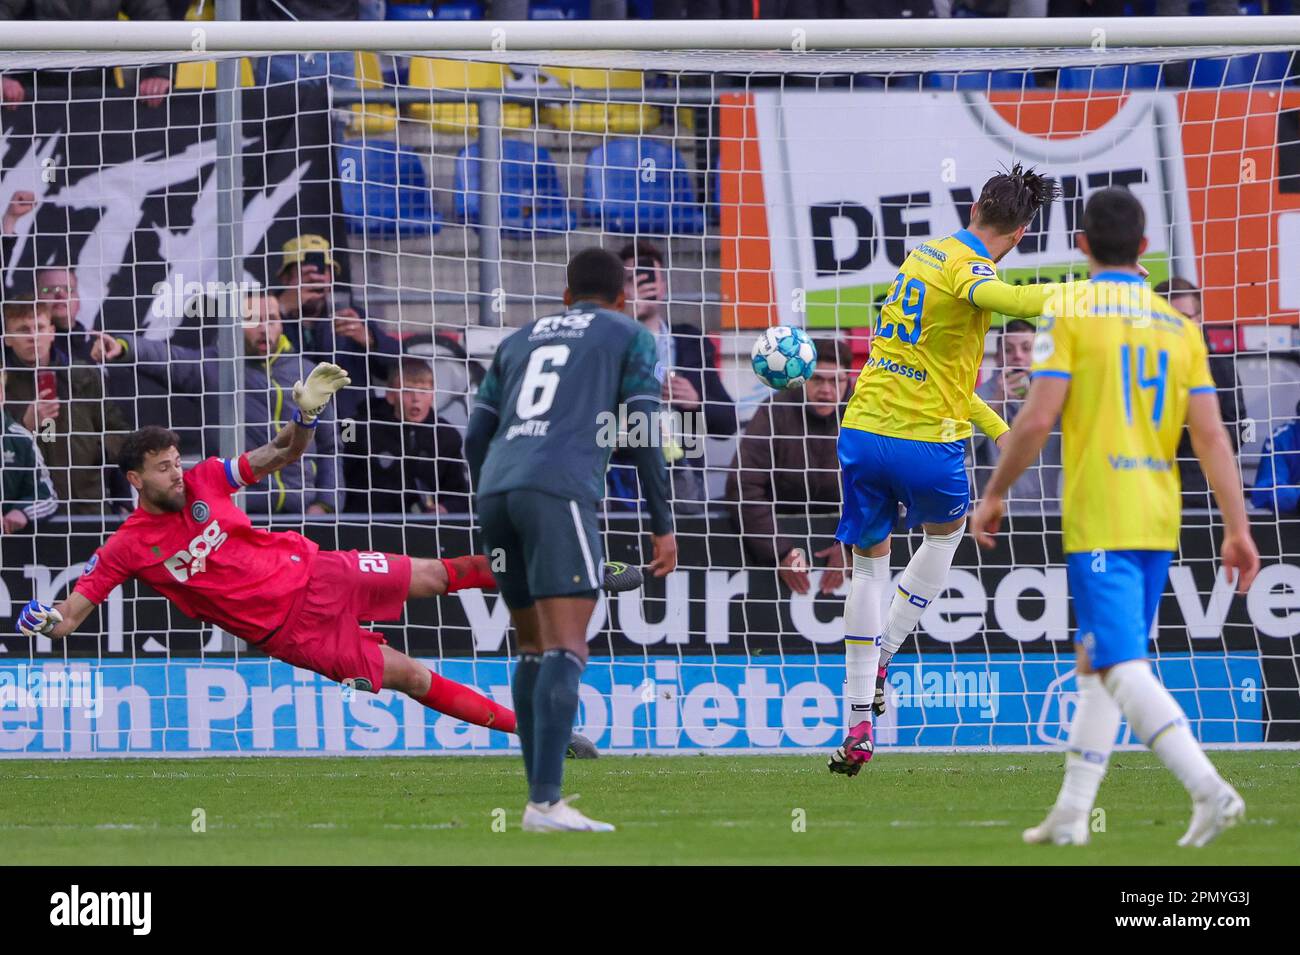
(1158, 382)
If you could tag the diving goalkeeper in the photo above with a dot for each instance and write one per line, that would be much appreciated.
(277, 590)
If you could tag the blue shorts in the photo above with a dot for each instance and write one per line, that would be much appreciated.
(1116, 593)
(877, 473)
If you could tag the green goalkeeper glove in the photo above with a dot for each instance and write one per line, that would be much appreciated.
(311, 396)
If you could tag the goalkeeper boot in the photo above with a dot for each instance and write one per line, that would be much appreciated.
(855, 752)
(878, 704)
(1211, 816)
(581, 748)
(560, 817)
(620, 576)
(1061, 828)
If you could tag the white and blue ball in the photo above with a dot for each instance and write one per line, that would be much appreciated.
(783, 357)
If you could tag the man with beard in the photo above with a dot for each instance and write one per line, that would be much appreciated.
(276, 590)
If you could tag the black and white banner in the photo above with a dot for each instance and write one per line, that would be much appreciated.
(127, 195)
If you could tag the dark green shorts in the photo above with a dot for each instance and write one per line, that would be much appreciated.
(540, 545)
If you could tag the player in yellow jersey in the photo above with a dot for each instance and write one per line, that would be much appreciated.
(903, 438)
(1123, 371)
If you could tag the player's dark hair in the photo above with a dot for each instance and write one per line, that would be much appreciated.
(836, 350)
(1018, 325)
(1012, 198)
(1114, 222)
(148, 440)
(595, 275)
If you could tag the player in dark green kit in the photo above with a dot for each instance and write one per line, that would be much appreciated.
(537, 454)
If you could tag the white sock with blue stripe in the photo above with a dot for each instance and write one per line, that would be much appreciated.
(1092, 736)
(863, 618)
(1159, 722)
(921, 582)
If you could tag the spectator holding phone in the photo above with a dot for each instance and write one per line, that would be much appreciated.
(695, 384)
(320, 320)
(64, 406)
(691, 384)
(1005, 393)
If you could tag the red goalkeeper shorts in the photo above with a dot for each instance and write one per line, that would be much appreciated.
(323, 630)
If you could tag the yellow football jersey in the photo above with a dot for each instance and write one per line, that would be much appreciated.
(928, 343)
(1132, 361)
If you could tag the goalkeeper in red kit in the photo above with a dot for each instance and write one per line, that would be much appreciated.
(278, 591)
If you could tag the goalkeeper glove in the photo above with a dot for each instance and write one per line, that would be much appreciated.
(38, 619)
(311, 396)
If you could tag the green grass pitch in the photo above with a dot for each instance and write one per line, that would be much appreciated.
(904, 809)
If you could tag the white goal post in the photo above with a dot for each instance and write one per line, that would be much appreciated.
(777, 172)
(1093, 33)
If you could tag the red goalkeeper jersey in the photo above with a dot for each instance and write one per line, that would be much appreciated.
(207, 559)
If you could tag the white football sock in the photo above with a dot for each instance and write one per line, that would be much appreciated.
(921, 582)
(863, 620)
(1092, 736)
(1159, 722)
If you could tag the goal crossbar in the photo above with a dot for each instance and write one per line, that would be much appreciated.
(793, 36)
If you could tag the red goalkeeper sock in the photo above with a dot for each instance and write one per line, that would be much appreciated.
(455, 699)
(469, 573)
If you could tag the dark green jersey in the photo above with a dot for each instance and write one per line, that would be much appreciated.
(555, 386)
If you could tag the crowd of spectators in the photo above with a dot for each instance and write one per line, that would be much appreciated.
(380, 449)
(385, 449)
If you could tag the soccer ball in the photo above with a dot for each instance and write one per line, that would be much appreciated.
(783, 357)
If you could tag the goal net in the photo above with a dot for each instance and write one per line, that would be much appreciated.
(404, 206)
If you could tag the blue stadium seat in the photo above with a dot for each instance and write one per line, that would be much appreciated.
(980, 80)
(1252, 69)
(1132, 76)
(1247, 8)
(559, 10)
(1273, 67)
(532, 198)
(385, 190)
(466, 10)
(408, 11)
(459, 10)
(641, 186)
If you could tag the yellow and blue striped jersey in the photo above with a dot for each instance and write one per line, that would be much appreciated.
(1132, 361)
(928, 343)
